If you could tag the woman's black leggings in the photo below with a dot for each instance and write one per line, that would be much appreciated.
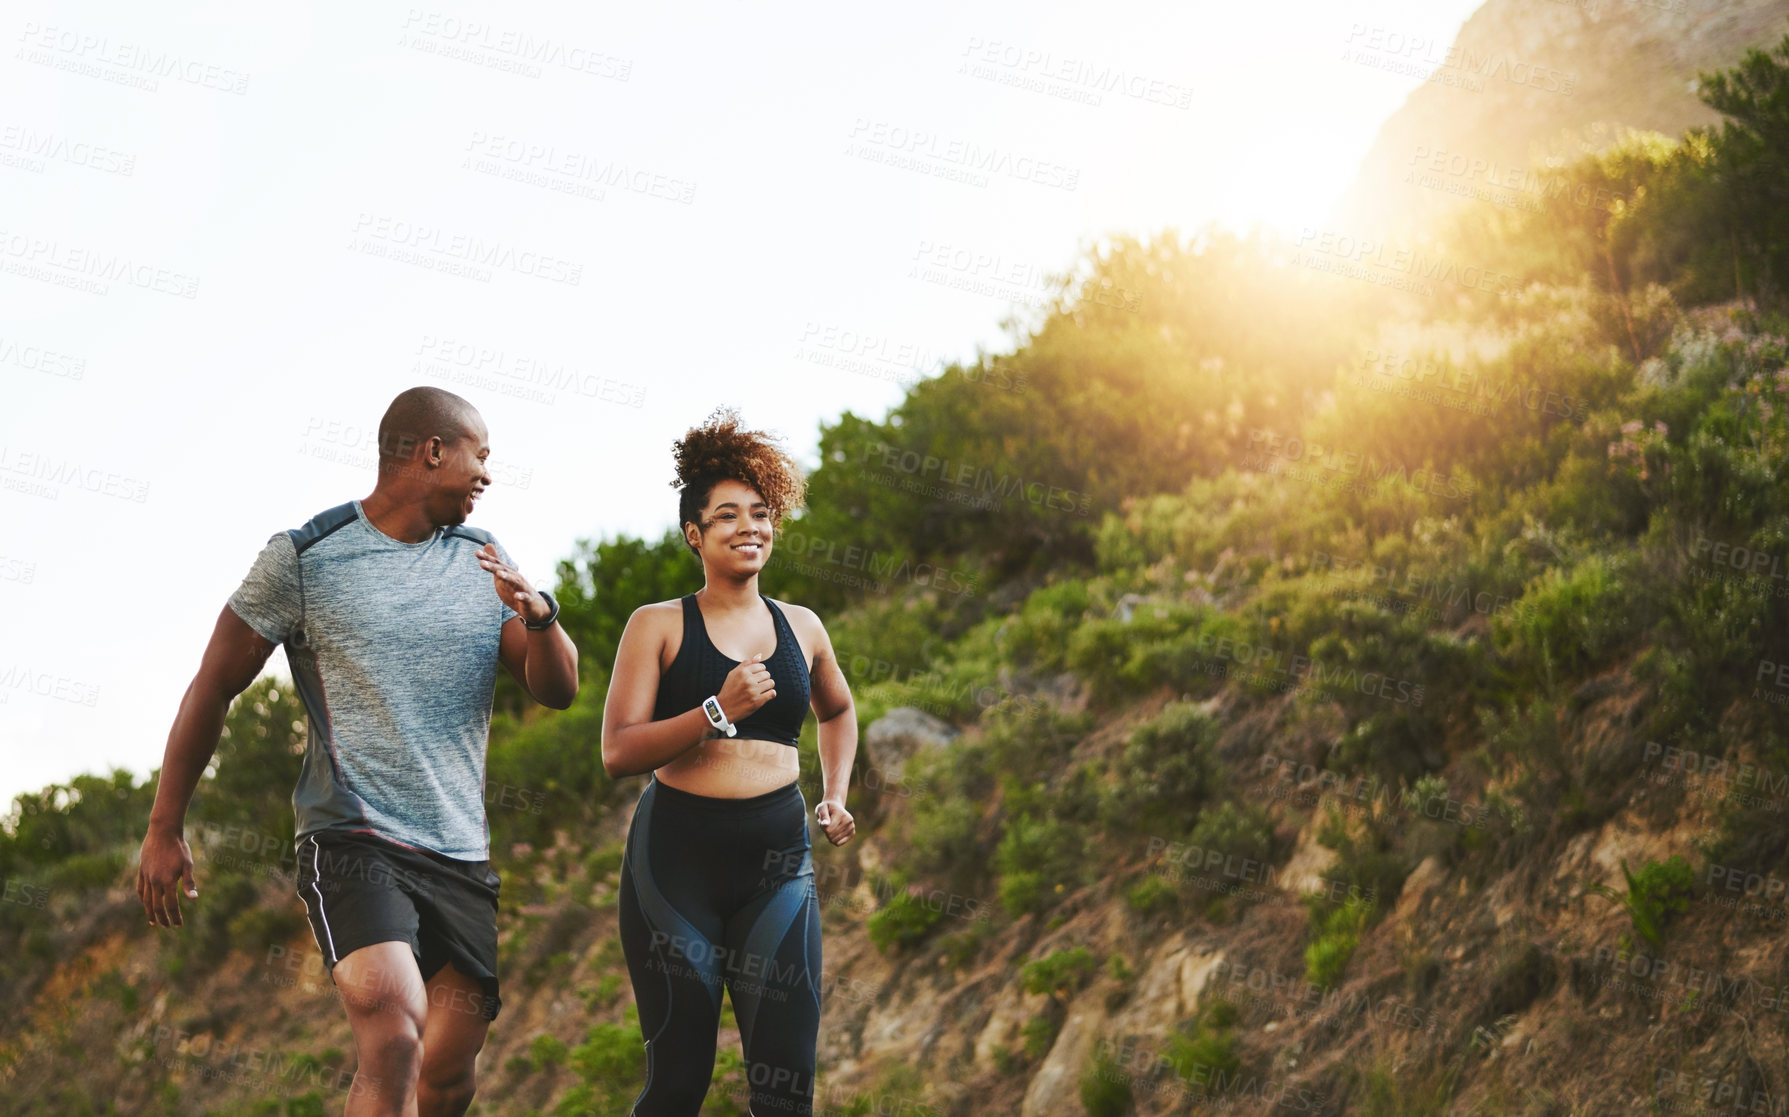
(721, 891)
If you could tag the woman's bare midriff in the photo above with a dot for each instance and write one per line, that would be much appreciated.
(732, 767)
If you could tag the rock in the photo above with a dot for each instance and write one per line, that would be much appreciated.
(1055, 1089)
(1309, 861)
(1422, 880)
(1011, 1009)
(896, 737)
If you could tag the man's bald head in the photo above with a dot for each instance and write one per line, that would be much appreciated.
(419, 414)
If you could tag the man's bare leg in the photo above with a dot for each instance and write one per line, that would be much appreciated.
(387, 1005)
(451, 1039)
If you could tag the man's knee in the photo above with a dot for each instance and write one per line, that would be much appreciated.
(396, 1050)
(451, 1085)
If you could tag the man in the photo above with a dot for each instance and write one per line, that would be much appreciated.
(393, 634)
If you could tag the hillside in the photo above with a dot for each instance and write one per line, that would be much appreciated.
(1529, 85)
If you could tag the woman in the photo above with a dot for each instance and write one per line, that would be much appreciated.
(717, 883)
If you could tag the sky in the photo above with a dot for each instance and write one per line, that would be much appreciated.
(229, 235)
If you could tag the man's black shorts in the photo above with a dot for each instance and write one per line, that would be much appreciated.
(359, 890)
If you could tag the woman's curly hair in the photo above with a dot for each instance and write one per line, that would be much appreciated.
(719, 450)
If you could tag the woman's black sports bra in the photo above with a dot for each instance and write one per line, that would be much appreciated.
(699, 669)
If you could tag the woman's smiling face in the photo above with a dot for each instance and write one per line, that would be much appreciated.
(739, 531)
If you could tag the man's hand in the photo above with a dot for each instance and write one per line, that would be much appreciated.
(165, 862)
(835, 820)
(512, 588)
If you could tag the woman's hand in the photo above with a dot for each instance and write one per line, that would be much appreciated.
(835, 820)
(746, 687)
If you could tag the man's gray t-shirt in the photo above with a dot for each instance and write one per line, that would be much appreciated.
(393, 648)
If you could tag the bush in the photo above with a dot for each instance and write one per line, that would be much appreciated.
(1243, 832)
(1058, 974)
(1151, 895)
(1203, 1053)
(1568, 622)
(904, 921)
(1653, 895)
(1038, 859)
(1337, 932)
(1105, 1087)
(1167, 771)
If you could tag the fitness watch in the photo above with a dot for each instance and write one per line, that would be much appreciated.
(712, 707)
(551, 618)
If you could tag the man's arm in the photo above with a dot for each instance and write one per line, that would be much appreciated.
(543, 660)
(234, 656)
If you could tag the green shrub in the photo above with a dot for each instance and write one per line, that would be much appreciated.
(546, 1051)
(1243, 831)
(904, 921)
(1653, 895)
(1039, 1033)
(610, 1064)
(1038, 860)
(941, 837)
(1058, 974)
(1568, 622)
(1105, 1087)
(1337, 930)
(1203, 1052)
(1166, 771)
(1152, 895)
